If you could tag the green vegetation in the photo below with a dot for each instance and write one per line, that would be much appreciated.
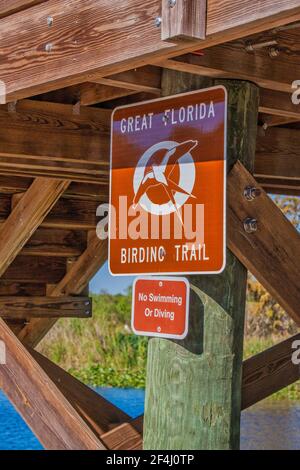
(103, 351)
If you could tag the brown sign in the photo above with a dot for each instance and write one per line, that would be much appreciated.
(168, 170)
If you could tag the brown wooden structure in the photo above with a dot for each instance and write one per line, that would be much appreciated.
(64, 66)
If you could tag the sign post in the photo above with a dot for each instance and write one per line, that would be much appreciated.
(167, 188)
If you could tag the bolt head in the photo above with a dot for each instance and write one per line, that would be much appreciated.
(250, 193)
(158, 21)
(250, 225)
(172, 3)
(48, 47)
(50, 21)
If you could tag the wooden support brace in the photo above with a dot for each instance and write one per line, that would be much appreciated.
(45, 307)
(270, 371)
(27, 216)
(271, 252)
(48, 413)
(183, 19)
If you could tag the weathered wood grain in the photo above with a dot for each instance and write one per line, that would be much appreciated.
(193, 395)
(26, 217)
(45, 307)
(268, 372)
(52, 242)
(36, 269)
(93, 93)
(45, 409)
(277, 154)
(186, 19)
(8, 7)
(42, 138)
(227, 14)
(143, 79)
(74, 53)
(22, 289)
(72, 214)
(271, 253)
(278, 103)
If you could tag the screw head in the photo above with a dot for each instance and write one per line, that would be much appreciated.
(50, 21)
(48, 47)
(172, 3)
(250, 225)
(158, 21)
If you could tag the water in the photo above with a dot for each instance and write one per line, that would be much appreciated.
(267, 426)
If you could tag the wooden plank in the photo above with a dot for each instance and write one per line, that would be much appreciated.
(93, 93)
(184, 19)
(8, 7)
(36, 269)
(45, 307)
(230, 14)
(277, 103)
(143, 79)
(71, 214)
(26, 217)
(73, 283)
(94, 192)
(268, 372)
(277, 153)
(202, 374)
(280, 186)
(74, 57)
(271, 253)
(45, 409)
(233, 61)
(62, 243)
(41, 138)
(22, 289)
(128, 436)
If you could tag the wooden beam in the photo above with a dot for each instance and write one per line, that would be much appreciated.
(93, 93)
(45, 307)
(280, 186)
(27, 216)
(22, 289)
(145, 79)
(277, 153)
(73, 283)
(42, 138)
(233, 61)
(59, 56)
(70, 214)
(105, 419)
(48, 413)
(36, 269)
(268, 372)
(227, 15)
(127, 436)
(61, 243)
(272, 252)
(184, 19)
(8, 7)
(277, 103)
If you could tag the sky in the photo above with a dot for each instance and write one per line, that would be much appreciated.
(103, 281)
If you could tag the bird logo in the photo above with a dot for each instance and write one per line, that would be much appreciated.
(157, 169)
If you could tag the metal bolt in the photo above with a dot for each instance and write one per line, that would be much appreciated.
(165, 118)
(87, 312)
(172, 3)
(87, 304)
(250, 193)
(48, 47)
(250, 225)
(50, 21)
(159, 329)
(158, 21)
(274, 52)
(160, 284)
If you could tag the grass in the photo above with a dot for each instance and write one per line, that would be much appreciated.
(103, 351)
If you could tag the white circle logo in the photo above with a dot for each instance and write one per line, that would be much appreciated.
(155, 169)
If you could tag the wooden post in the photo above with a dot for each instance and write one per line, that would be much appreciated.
(193, 396)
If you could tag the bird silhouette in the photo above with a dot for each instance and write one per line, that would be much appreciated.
(159, 170)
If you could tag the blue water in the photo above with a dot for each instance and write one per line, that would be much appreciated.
(272, 425)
